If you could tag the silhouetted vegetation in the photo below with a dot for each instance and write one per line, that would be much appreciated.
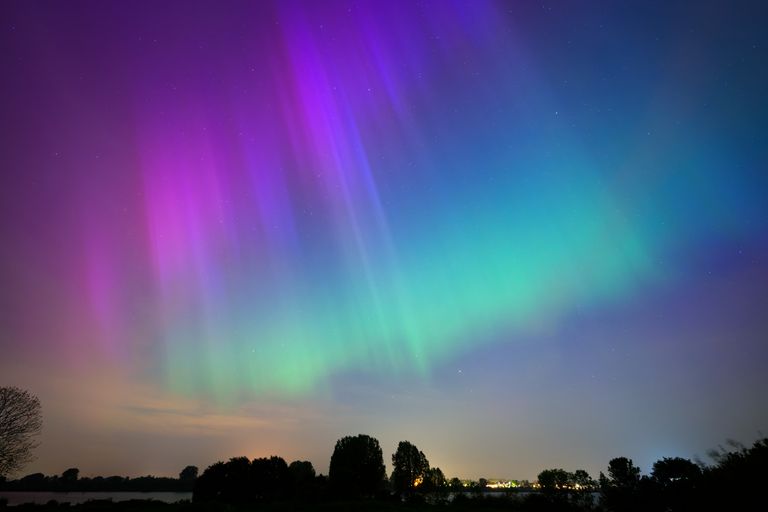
(20, 423)
(733, 482)
(410, 467)
(304, 482)
(620, 489)
(188, 474)
(264, 480)
(561, 488)
(357, 466)
(559, 479)
(70, 482)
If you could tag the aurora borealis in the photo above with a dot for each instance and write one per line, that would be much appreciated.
(253, 227)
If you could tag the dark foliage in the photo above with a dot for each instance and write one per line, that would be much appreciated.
(69, 481)
(566, 490)
(552, 480)
(271, 478)
(737, 481)
(734, 482)
(70, 476)
(188, 474)
(304, 482)
(357, 466)
(434, 481)
(410, 467)
(621, 488)
(262, 480)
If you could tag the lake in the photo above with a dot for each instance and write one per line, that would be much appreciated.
(17, 498)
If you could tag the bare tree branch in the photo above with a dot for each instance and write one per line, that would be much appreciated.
(20, 422)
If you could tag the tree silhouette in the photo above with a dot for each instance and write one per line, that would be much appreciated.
(20, 421)
(188, 474)
(301, 471)
(737, 481)
(357, 466)
(410, 467)
(303, 481)
(70, 476)
(226, 482)
(238, 486)
(553, 479)
(582, 479)
(672, 483)
(434, 480)
(620, 488)
(212, 484)
(622, 473)
(564, 490)
(271, 479)
(670, 471)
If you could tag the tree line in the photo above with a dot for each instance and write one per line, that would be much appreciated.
(357, 472)
(70, 481)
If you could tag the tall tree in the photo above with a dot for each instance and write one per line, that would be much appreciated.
(20, 422)
(620, 488)
(302, 479)
(623, 473)
(357, 465)
(302, 472)
(410, 466)
(271, 478)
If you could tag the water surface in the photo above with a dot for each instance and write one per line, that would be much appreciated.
(17, 498)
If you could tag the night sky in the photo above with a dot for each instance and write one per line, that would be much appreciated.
(520, 235)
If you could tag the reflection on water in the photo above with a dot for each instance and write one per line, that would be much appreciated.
(17, 498)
